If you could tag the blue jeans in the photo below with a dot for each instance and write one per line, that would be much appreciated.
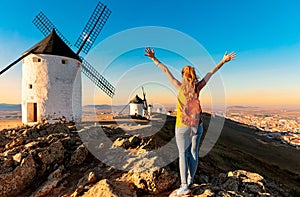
(188, 140)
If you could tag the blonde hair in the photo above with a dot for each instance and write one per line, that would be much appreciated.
(188, 80)
(188, 72)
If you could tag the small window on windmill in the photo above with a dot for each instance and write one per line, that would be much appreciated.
(30, 86)
(36, 59)
(64, 61)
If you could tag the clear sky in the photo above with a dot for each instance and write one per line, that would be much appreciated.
(264, 34)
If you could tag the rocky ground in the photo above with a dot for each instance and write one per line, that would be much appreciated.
(73, 160)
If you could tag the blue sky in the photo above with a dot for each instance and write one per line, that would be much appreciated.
(264, 34)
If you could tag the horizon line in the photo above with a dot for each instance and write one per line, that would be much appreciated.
(174, 104)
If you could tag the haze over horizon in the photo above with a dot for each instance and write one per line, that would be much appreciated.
(265, 35)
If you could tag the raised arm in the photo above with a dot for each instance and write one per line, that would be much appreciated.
(151, 54)
(226, 58)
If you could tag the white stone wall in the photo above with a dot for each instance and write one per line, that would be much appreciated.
(56, 88)
(135, 108)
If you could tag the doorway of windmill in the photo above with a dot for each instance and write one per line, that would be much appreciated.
(31, 112)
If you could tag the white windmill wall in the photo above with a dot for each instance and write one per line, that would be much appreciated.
(150, 110)
(54, 86)
(77, 95)
(136, 109)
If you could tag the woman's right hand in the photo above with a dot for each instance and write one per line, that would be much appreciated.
(150, 53)
(228, 57)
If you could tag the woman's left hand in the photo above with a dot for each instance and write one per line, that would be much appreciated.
(228, 57)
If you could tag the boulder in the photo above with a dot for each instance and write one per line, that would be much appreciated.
(153, 181)
(87, 179)
(237, 183)
(109, 188)
(245, 182)
(52, 181)
(79, 155)
(131, 142)
(14, 143)
(12, 183)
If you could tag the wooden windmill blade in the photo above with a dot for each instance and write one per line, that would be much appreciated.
(92, 28)
(46, 26)
(17, 60)
(145, 101)
(97, 78)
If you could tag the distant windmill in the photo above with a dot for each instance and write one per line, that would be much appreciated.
(138, 108)
(51, 78)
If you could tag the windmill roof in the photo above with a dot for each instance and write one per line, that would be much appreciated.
(136, 100)
(54, 45)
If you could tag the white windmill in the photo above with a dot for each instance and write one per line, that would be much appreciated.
(138, 108)
(51, 76)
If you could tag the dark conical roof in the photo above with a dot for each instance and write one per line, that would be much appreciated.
(137, 100)
(54, 45)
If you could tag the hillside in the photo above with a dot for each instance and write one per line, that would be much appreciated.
(239, 148)
(50, 160)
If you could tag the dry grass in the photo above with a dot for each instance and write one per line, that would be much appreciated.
(12, 123)
(7, 124)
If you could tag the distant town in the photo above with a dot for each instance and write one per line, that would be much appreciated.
(280, 124)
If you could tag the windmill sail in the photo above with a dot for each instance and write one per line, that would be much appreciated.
(97, 78)
(46, 27)
(145, 101)
(17, 60)
(84, 42)
(92, 28)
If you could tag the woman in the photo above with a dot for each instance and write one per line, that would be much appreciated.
(189, 125)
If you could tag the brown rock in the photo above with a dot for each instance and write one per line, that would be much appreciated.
(242, 183)
(153, 181)
(3, 140)
(119, 142)
(253, 177)
(228, 194)
(127, 143)
(79, 155)
(7, 163)
(17, 157)
(107, 188)
(50, 184)
(78, 191)
(46, 188)
(87, 179)
(57, 174)
(55, 152)
(52, 155)
(232, 184)
(31, 145)
(12, 183)
(203, 193)
(92, 178)
(14, 143)
(134, 141)
(207, 193)
(12, 151)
